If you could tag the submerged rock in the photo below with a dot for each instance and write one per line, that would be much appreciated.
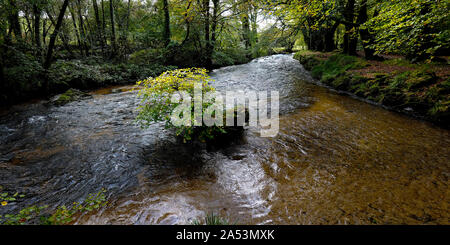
(69, 96)
(116, 90)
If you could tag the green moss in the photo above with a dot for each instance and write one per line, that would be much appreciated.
(307, 59)
(341, 82)
(336, 66)
(63, 99)
(399, 62)
(419, 78)
(70, 96)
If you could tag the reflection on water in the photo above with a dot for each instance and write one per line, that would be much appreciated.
(336, 160)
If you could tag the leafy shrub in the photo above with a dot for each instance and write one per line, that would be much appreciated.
(82, 75)
(238, 54)
(157, 105)
(418, 29)
(147, 57)
(223, 59)
(65, 74)
(23, 75)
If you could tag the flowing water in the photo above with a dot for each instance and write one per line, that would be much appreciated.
(336, 160)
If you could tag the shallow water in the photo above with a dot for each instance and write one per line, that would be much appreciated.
(336, 160)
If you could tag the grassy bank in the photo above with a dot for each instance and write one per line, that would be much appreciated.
(418, 89)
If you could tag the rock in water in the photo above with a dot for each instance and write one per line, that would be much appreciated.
(116, 90)
(69, 96)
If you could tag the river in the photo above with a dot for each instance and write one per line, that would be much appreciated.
(336, 160)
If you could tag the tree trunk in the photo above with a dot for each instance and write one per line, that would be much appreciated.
(37, 29)
(210, 45)
(329, 38)
(214, 24)
(99, 34)
(30, 29)
(208, 58)
(167, 33)
(44, 31)
(51, 44)
(113, 30)
(254, 19)
(188, 24)
(82, 32)
(14, 21)
(366, 37)
(104, 24)
(246, 25)
(350, 38)
(72, 14)
(123, 37)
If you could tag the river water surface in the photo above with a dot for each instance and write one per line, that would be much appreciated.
(336, 160)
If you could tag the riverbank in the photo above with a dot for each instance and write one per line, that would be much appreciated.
(23, 83)
(23, 77)
(420, 90)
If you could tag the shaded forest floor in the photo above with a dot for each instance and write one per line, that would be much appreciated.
(391, 64)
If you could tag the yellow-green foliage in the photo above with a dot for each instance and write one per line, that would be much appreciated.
(176, 80)
(156, 104)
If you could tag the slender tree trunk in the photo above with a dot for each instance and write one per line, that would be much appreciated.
(14, 20)
(123, 31)
(214, 24)
(55, 33)
(350, 38)
(208, 58)
(72, 14)
(113, 30)
(63, 35)
(167, 33)
(30, 29)
(245, 24)
(45, 31)
(105, 41)
(366, 37)
(254, 24)
(188, 23)
(99, 34)
(37, 29)
(329, 38)
(82, 31)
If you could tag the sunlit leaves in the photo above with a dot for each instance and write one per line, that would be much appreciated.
(415, 28)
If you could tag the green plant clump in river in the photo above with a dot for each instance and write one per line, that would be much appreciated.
(157, 104)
